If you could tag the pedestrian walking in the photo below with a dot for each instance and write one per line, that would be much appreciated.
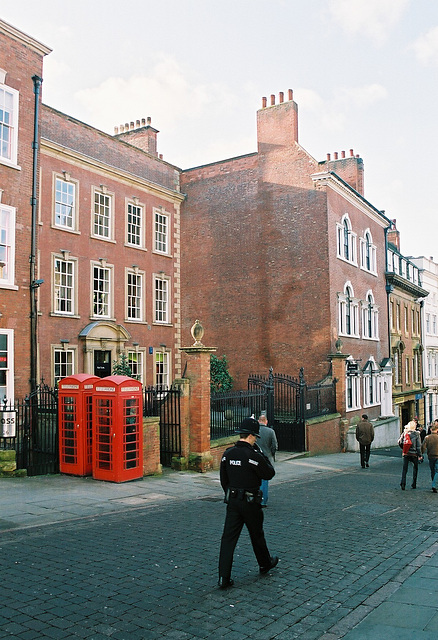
(241, 471)
(269, 445)
(411, 444)
(430, 445)
(364, 436)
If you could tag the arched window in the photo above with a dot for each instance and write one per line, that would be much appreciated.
(368, 260)
(348, 309)
(346, 240)
(370, 318)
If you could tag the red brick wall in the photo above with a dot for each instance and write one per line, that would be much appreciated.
(21, 62)
(151, 446)
(254, 243)
(323, 437)
(61, 129)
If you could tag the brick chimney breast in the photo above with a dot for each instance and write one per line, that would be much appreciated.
(139, 134)
(277, 125)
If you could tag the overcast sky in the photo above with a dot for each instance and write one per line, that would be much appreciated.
(364, 75)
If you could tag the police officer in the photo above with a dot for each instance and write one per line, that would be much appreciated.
(243, 467)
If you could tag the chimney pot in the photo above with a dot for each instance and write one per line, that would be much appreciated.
(132, 125)
(357, 155)
(336, 155)
(116, 130)
(161, 156)
(328, 157)
(342, 154)
(272, 99)
(143, 122)
(126, 126)
(281, 96)
(264, 103)
(149, 120)
(351, 153)
(121, 128)
(137, 123)
(291, 94)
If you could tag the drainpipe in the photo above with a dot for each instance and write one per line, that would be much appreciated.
(389, 290)
(34, 284)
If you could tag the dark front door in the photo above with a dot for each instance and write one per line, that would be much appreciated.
(102, 363)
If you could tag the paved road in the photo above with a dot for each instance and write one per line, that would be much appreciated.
(85, 559)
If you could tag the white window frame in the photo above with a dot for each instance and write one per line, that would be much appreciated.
(135, 273)
(346, 250)
(368, 253)
(106, 292)
(161, 232)
(9, 368)
(371, 384)
(369, 308)
(69, 367)
(58, 204)
(99, 215)
(352, 390)
(136, 360)
(9, 158)
(348, 312)
(416, 367)
(7, 247)
(161, 299)
(73, 263)
(135, 229)
(162, 367)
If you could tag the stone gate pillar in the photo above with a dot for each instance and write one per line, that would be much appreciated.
(338, 372)
(198, 373)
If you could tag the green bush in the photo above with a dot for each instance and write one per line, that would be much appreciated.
(121, 366)
(220, 378)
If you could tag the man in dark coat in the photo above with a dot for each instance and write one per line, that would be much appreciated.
(364, 436)
(242, 469)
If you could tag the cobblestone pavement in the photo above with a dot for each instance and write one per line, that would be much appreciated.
(347, 539)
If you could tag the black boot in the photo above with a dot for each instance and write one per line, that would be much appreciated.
(225, 583)
(273, 563)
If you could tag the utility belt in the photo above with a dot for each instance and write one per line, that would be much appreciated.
(253, 496)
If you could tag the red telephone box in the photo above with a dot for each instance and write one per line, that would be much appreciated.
(117, 429)
(75, 395)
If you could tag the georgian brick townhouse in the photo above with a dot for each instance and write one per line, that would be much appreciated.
(109, 251)
(21, 62)
(429, 274)
(283, 261)
(406, 300)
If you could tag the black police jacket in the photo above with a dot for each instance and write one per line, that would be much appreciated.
(243, 467)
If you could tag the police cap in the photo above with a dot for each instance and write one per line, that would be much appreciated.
(250, 425)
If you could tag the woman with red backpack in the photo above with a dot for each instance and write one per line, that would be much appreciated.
(410, 442)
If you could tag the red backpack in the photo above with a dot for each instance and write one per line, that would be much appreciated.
(407, 442)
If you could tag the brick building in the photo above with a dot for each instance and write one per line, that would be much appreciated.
(109, 251)
(21, 62)
(406, 295)
(429, 274)
(283, 261)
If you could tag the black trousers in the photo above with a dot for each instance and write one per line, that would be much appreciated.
(364, 453)
(240, 512)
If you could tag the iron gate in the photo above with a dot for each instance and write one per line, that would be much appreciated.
(229, 408)
(285, 407)
(36, 431)
(165, 402)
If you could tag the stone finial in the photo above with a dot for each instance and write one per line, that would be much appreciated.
(197, 332)
(339, 345)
